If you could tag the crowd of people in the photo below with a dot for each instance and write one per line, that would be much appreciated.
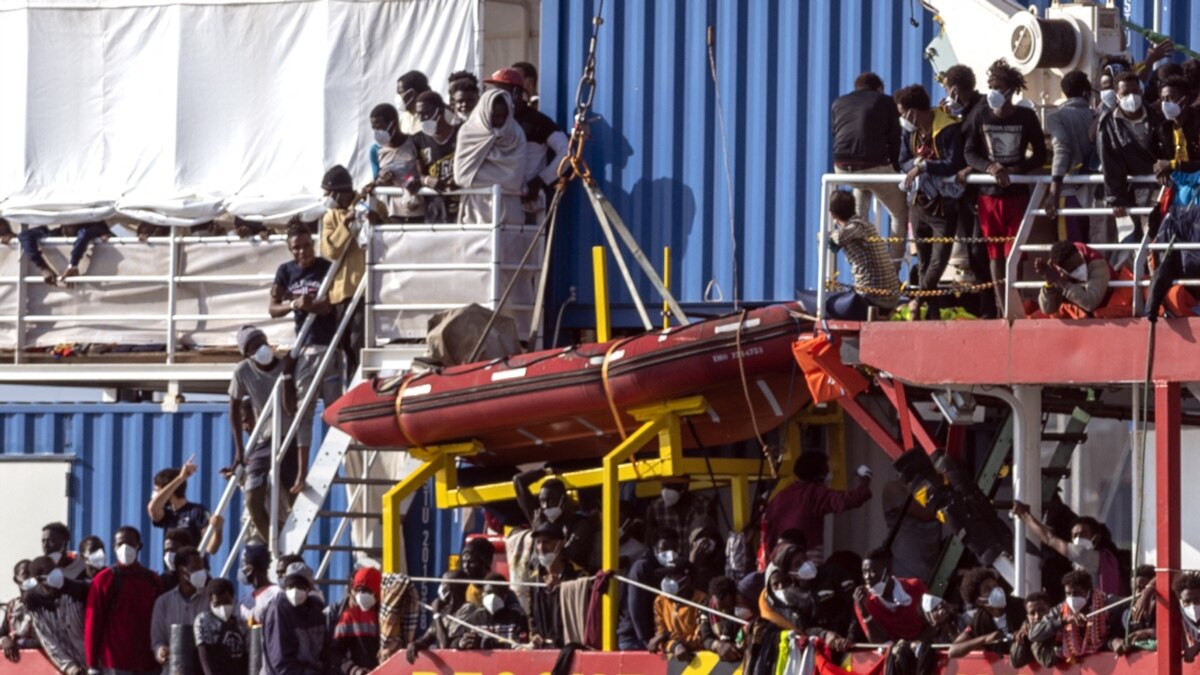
(1136, 121)
(489, 134)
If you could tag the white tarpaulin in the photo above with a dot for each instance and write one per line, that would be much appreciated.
(174, 112)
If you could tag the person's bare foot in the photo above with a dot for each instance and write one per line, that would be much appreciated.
(71, 271)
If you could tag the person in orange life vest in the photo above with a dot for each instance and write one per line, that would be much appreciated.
(1077, 285)
(887, 608)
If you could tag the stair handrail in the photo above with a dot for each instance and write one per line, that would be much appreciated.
(255, 435)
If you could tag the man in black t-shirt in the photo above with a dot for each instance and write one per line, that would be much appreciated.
(297, 290)
(170, 509)
(435, 146)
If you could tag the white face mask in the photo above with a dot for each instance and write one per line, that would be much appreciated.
(1131, 103)
(997, 599)
(263, 355)
(126, 554)
(1171, 109)
(1076, 603)
(383, 136)
(547, 559)
(743, 613)
(877, 589)
(429, 127)
(364, 600)
(398, 101)
(198, 579)
(29, 584)
(223, 612)
(1080, 273)
(954, 107)
(996, 99)
(671, 497)
(56, 556)
(670, 586)
(169, 560)
(1108, 98)
(552, 513)
(1190, 612)
(781, 595)
(1085, 544)
(296, 596)
(98, 558)
(493, 603)
(907, 125)
(807, 571)
(666, 558)
(329, 203)
(444, 593)
(55, 578)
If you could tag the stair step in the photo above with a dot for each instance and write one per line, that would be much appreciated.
(377, 482)
(1064, 437)
(1056, 472)
(375, 515)
(375, 550)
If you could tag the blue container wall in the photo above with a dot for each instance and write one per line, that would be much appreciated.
(657, 151)
(117, 449)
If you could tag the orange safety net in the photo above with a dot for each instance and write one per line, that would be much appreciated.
(828, 378)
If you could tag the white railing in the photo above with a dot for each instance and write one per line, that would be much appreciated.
(826, 259)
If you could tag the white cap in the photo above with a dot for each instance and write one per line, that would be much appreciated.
(929, 602)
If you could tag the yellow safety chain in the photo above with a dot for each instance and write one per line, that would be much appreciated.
(912, 292)
(943, 240)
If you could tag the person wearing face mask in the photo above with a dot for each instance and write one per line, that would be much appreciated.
(499, 613)
(546, 624)
(476, 560)
(1069, 131)
(491, 152)
(1187, 589)
(1081, 625)
(803, 596)
(56, 540)
(804, 504)
(997, 614)
(435, 144)
(961, 97)
(180, 605)
(221, 638)
(173, 541)
(253, 572)
(393, 160)
(354, 629)
(91, 549)
(705, 554)
(254, 378)
(635, 622)
(679, 509)
(717, 634)
(339, 240)
(409, 88)
(553, 506)
(120, 606)
(1128, 147)
(169, 507)
(676, 625)
(887, 608)
(918, 656)
(16, 628)
(1088, 550)
(931, 155)
(464, 95)
(55, 607)
(1179, 131)
(1077, 285)
(450, 599)
(1003, 140)
(294, 631)
(545, 142)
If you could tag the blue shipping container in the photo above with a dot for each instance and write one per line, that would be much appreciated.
(656, 150)
(117, 448)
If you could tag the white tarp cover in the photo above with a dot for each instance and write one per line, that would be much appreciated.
(174, 111)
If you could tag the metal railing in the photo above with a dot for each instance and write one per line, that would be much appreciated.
(826, 259)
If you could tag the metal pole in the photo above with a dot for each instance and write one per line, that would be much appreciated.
(496, 196)
(1167, 513)
(182, 659)
(256, 650)
(600, 276)
(822, 247)
(172, 275)
(276, 430)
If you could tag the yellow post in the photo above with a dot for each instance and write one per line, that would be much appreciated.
(392, 515)
(739, 494)
(600, 274)
(666, 310)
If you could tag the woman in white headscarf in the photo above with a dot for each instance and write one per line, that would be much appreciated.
(491, 149)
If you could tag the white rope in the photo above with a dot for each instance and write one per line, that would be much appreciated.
(676, 598)
(477, 629)
(1123, 601)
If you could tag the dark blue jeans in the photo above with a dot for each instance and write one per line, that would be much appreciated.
(31, 242)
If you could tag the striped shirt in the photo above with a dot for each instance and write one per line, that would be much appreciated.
(870, 262)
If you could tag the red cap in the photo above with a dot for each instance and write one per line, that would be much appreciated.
(508, 76)
(369, 577)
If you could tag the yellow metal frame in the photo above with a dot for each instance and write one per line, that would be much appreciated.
(659, 422)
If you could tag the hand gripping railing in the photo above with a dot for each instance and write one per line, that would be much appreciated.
(826, 258)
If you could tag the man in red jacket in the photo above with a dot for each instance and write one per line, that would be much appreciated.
(887, 608)
(120, 604)
(804, 504)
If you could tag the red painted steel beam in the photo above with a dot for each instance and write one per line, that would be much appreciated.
(1030, 351)
(1167, 468)
(916, 426)
(882, 437)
